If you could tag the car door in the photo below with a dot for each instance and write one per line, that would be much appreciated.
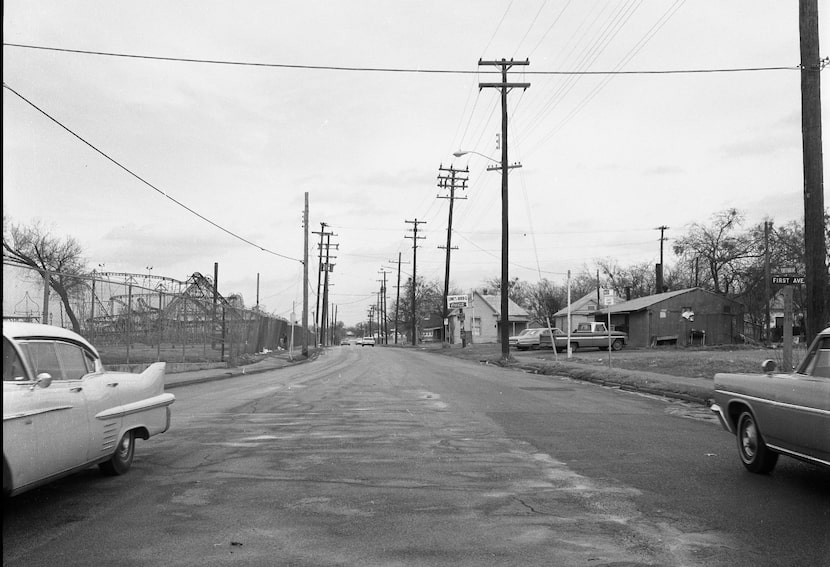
(799, 418)
(58, 413)
(101, 392)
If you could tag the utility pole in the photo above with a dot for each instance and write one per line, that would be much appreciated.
(398, 297)
(767, 282)
(455, 180)
(504, 87)
(815, 245)
(215, 301)
(415, 239)
(659, 272)
(328, 268)
(384, 324)
(305, 277)
(322, 234)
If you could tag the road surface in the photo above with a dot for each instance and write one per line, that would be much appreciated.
(391, 456)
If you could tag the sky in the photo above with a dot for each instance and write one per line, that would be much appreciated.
(234, 111)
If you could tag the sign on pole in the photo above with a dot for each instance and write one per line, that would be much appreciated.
(787, 280)
(458, 301)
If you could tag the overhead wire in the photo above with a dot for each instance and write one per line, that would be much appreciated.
(144, 181)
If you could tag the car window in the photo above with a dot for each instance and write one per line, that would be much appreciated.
(43, 358)
(73, 361)
(12, 366)
(817, 362)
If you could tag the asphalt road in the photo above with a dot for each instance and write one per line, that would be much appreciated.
(398, 457)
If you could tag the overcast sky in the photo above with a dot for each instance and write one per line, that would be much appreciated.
(605, 158)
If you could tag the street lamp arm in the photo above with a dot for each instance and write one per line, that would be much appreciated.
(460, 153)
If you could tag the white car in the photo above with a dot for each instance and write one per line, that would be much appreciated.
(62, 412)
(367, 341)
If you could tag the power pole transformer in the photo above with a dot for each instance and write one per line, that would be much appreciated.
(451, 179)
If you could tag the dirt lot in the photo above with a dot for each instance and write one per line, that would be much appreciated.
(696, 362)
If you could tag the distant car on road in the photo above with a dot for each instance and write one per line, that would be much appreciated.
(779, 413)
(62, 412)
(345, 342)
(367, 341)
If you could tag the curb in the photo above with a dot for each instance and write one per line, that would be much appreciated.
(624, 380)
(231, 373)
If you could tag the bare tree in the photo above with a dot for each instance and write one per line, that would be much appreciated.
(721, 248)
(58, 260)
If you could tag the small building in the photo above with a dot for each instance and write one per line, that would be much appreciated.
(582, 311)
(685, 317)
(432, 328)
(482, 322)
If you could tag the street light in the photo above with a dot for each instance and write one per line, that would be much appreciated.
(504, 308)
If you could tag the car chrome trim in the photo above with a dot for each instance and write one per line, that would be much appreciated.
(774, 403)
(159, 401)
(718, 411)
(798, 455)
(23, 414)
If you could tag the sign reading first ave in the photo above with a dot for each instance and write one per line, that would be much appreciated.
(788, 280)
(458, 301)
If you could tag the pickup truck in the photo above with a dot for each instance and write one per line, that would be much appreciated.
(595, 334)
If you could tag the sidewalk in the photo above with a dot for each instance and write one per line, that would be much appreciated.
(272, 362)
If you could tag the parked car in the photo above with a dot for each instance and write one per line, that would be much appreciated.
(779, 413)
(62, 412)
(541, 338)
(513, 340)
(596, 334)
(367, 341)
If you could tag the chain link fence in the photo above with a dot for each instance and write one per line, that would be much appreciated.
(135, 318)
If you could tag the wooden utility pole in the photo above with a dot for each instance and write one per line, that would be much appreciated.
(398, 297)
(659, 275)
(455, 180)
(322, 233)
(382, 319)
(767, 276)
(215, 301)
(415, 239)
(327, 268)
(305, 277)
(504, 87)
(815, 245)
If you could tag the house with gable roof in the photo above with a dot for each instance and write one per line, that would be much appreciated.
(582, 311)
(482, 322)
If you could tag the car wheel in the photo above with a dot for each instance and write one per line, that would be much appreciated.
(617, 345)
(574, 346)
(121, 460)
(755, 455)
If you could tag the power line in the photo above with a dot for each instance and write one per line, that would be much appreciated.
(144, 181)
(395, 69)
